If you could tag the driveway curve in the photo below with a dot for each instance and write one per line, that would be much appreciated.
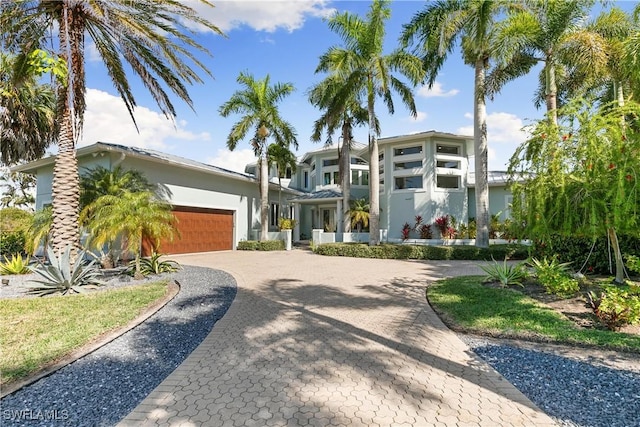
(313, 340)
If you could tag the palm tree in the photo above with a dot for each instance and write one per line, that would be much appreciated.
(134, 216)
(258, 103)
(152, 37)
(368, 73)
(27, 119)
(538, 30)
(341, 115)
(283, 159)
(437, 29)
(359, 214)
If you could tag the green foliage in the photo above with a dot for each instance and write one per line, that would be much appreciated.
(359, 213)
(286, 223)
(594, 254)
(633, 263)
(12, 242)
(16, 265)
(616, 305)
(267, 245)
(555, 276)
(504, 273)
(427, 252)
(153, 265)
(39, 230)
(42, 63)
(59, 276)
(13, 224)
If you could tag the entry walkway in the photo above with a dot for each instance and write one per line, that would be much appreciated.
(313, 340)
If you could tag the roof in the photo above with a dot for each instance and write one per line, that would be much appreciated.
(146, 154)
(326, 195)
(426, 134)
(356, 147)
(494, 178)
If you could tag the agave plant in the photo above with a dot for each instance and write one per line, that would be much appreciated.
(153, 265)
(504, 273)
(62, 277)
(16, 265)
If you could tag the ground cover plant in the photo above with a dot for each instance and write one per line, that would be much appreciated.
(38, 331)
(467, 304)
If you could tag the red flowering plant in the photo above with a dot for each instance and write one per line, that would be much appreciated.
(442, 224)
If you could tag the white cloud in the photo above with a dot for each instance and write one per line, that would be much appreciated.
(436, 91)
(107, 119)
(421, 116)
(233, 160)
(504, 134)
(266, 16)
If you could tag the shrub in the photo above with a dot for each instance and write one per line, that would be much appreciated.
(268, 245)
(633, 263)
(62, 277)
(286, 223)
(616, 306)
(12, 242)
(406, 231)
(442, 224)
(425, 231)
(504, 273)
(555, 276)
(16, 265)
(153, 265)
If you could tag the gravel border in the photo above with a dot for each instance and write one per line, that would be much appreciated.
(573, 392)
(103, 387)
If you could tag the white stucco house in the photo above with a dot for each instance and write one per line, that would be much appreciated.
(427, 174)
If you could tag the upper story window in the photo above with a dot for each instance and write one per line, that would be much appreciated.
(357, 161)
(327, 178)
(448, 164)
(406, 182)
(365, 178)
(329, 162)
(306, 179)
(313, 166)
(407, 165)
(287, 173)
(448, 181)
(448, 149)
(405, 151)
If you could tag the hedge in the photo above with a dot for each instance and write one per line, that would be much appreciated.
(391, 251)
(268, 245)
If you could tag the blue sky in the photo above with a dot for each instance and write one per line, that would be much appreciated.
(285, 39)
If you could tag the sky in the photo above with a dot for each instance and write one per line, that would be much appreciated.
(284, 39)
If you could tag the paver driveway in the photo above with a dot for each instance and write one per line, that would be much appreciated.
(312, 340)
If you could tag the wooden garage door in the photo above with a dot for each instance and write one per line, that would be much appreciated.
(201, 230)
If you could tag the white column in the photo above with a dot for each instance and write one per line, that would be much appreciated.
(296, 217)
(339, 216)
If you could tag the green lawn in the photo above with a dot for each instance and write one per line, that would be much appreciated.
(37, 331)
(465, 304)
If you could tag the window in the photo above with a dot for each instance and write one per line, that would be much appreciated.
(357, 161)
(404, 182)
(407, 165)
(354, 178)
(336, 177)
(448, 164)
(448, 149)
(287, 173)
(330, 162)
(313, 166)
(448, 181)
(365, 178)
(274, 214)
(327, 178)
(306, 179)
(404, 151)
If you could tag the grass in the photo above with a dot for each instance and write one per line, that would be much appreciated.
(466, 305)
(35, 332)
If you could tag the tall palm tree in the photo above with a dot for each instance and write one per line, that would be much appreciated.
(134, 216)
(283, 159)
(27, 112)
(369, 73)
(258, 102)
(152, 37)
(359, 214)
(436, 31)
(343, 115)
(538, 30)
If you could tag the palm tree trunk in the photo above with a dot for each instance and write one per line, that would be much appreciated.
(346, 176)
(619, 93)
(481, 157)
(264, 196)
(613, 238)
(374, 178)
(65, 188)
(551, 91)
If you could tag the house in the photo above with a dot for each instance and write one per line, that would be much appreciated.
(428, 174)
(215, 207)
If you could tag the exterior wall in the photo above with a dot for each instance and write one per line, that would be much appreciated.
(499, 201)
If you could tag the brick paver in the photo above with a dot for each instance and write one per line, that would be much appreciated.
(330, 341)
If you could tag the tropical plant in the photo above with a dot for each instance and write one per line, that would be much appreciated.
(504, 273)
(18, 190)
(257, 102)
(63, 277)
(16, 265)
(134, 217)
(436, 31)
(283, 159)
(442, 223)
(27, 119)
(286, 223)
(616, 306)
(633, 262)
(359, 214)
(154, 265)
(555, 276)
(581, 179)
(39, 231)
(367, 74)
(152, 37)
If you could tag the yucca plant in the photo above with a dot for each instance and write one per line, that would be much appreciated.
(16, 265)
(62, 277)
(153, 265)
(504, 273)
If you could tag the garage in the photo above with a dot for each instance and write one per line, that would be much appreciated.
(201, 230)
